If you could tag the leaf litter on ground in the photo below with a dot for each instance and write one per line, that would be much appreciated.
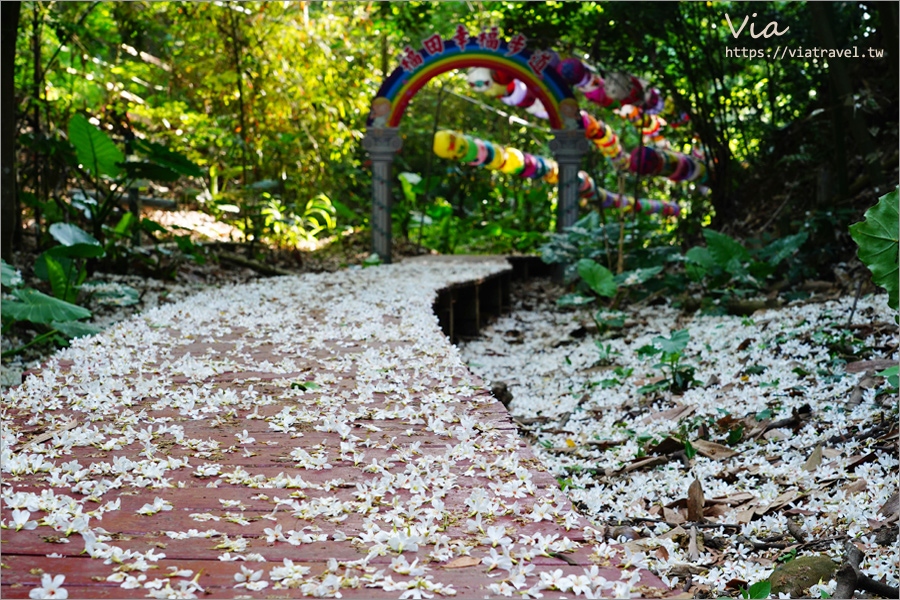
(789, 449)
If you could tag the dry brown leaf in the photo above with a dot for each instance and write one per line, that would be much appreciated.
(745, 516)
(716, 510)
(674, 533)
(712, 450)
(673, 516)
(732, 499)
(736, 584)
(695, 501)
(673, 414)
(814, 460)
(462, 562)
(891, 506)
(684, 569)
(693, 551)
(662, 553)
(649, 461)
(868, 365)
(800, 511)
(855, 487)
(759, 429)
(891, 437)
(747, 511)
(779, 502)
(650, 380)
(667, 446)
(40, 439)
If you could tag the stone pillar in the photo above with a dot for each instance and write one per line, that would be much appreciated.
(568, 146)
(382, 144)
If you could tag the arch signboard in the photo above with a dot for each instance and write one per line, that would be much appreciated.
(437, 55)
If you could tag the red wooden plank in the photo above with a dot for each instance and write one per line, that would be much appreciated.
(26, 550)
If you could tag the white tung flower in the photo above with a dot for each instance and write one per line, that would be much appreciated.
(247, 577)
(158, 505)
(20, 520)
(50, 587)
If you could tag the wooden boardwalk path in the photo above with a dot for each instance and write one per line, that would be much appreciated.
(311, 436)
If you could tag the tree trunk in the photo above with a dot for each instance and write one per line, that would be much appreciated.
(10, 219)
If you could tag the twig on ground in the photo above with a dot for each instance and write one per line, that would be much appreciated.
(848, 574)
(866, 583)
(796, 532)
(883, 426)
(761, 545)
(850, 578)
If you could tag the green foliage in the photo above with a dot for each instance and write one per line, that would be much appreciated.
(878, 237)
(373, 260)
(574, 300)
(892, 374)
(647, 243)
(95, 151)
(726, 267)
(9, 275)
(605, 353)
(760, 589)
(36, 307)
(75, 241)
(111, 177)
(64, 266)
(678, 376)
(166, 157)
(787, 556)
(305, 385)
(597, 277)
(675, 344)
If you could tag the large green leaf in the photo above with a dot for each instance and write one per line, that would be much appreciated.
(760, 589)
(75, 329)
(701, 257)
(597, 277)
(75, 242)
(94, 149)
(569, 300)
(637, 276)
(878, 238)
(780, 249)
(69, 235)
(166, 157)
(40, 308)
(724, 250)
(59, 282)
(9, 275)
(676, 343)
(42, 271)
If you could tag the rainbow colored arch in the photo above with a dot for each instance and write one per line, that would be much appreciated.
(548, 86)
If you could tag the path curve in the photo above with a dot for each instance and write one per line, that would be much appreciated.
(299, 436)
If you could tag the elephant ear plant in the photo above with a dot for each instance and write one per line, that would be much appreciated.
(878, 238)
(55, 318)
(104, 167)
